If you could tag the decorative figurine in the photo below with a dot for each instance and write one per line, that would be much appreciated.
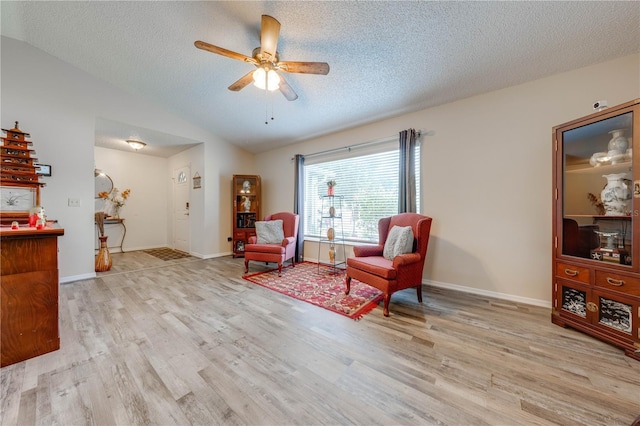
(35, 214)
(246, 203)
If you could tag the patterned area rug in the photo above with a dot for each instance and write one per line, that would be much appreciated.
(324, 288)
(167, 253)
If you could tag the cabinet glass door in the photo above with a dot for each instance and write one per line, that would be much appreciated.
(598, 190)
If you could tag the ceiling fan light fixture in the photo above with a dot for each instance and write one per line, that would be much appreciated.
(136, 144)
(272, 79)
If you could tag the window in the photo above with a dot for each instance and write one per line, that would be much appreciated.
(367, 178)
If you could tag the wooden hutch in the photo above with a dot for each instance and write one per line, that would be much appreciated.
(596, 226)
(28, 259)
(246, 210)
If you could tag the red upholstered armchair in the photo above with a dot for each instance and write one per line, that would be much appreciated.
(404, 271)
(274, 251)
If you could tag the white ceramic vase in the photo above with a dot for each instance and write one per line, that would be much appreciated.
(616, 195)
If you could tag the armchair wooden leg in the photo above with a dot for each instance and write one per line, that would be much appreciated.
(279, 269)
(385, 310)
(246, 266)
(419, 289)
(347, 282)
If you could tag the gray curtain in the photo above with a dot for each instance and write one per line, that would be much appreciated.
(407, 189)
(298, 204)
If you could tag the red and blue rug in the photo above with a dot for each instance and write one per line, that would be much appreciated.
(323, 286)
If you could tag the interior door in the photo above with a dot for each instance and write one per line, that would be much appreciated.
(181, 223)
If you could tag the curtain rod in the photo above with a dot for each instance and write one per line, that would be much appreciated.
(359, 145)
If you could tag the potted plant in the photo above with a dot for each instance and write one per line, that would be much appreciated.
(330, 185)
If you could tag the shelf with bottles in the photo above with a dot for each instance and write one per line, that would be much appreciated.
(246, 220)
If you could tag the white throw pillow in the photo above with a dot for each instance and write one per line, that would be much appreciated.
(399, 241)
(269, 231)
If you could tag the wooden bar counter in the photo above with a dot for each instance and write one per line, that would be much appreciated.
(29, 292)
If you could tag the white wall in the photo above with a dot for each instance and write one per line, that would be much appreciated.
(58, 104)
(145, 211)
(486, 176)
(220, 166)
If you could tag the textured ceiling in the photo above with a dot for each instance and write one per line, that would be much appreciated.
(386, 58)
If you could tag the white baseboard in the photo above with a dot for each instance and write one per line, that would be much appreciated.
(488, 293)
(478, 291)
(448, 286)
(74, 278)
(128, 249)
(211, 256)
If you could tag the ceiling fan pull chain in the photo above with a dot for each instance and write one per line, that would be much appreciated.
(266, 105)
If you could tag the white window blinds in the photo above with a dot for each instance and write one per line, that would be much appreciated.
(367, 178)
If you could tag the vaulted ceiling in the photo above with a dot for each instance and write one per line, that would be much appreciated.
(386, 58)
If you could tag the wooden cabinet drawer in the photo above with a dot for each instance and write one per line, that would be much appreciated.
(572, 272)
(618, 282)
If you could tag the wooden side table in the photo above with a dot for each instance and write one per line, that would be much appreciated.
(119, 221)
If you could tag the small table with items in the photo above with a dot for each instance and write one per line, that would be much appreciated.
(120, 222)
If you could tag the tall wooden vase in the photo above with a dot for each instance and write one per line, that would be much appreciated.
(103, 259)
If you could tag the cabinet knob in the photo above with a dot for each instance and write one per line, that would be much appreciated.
(617, 283)
(570, 272)
(592, 307)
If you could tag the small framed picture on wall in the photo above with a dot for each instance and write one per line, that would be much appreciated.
(43, 169)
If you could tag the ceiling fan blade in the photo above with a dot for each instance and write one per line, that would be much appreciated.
(224, 52)
(243, 82)
(269, 38)
(304, 67)
(286, 90)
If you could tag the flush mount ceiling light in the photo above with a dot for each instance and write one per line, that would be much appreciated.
(136, 144)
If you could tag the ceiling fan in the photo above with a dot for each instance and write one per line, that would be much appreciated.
(267, 60)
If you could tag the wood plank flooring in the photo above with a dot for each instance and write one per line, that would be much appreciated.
(190, 342)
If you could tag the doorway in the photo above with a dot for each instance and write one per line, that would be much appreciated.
(181, 222)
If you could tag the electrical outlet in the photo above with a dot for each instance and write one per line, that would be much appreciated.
(74, 202)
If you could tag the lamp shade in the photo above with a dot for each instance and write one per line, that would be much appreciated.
(136, 144)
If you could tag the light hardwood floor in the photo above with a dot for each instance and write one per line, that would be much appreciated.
(190, 342)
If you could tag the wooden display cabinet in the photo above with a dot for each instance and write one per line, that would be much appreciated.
(596, 252)
(29, 292)
(246, 210)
